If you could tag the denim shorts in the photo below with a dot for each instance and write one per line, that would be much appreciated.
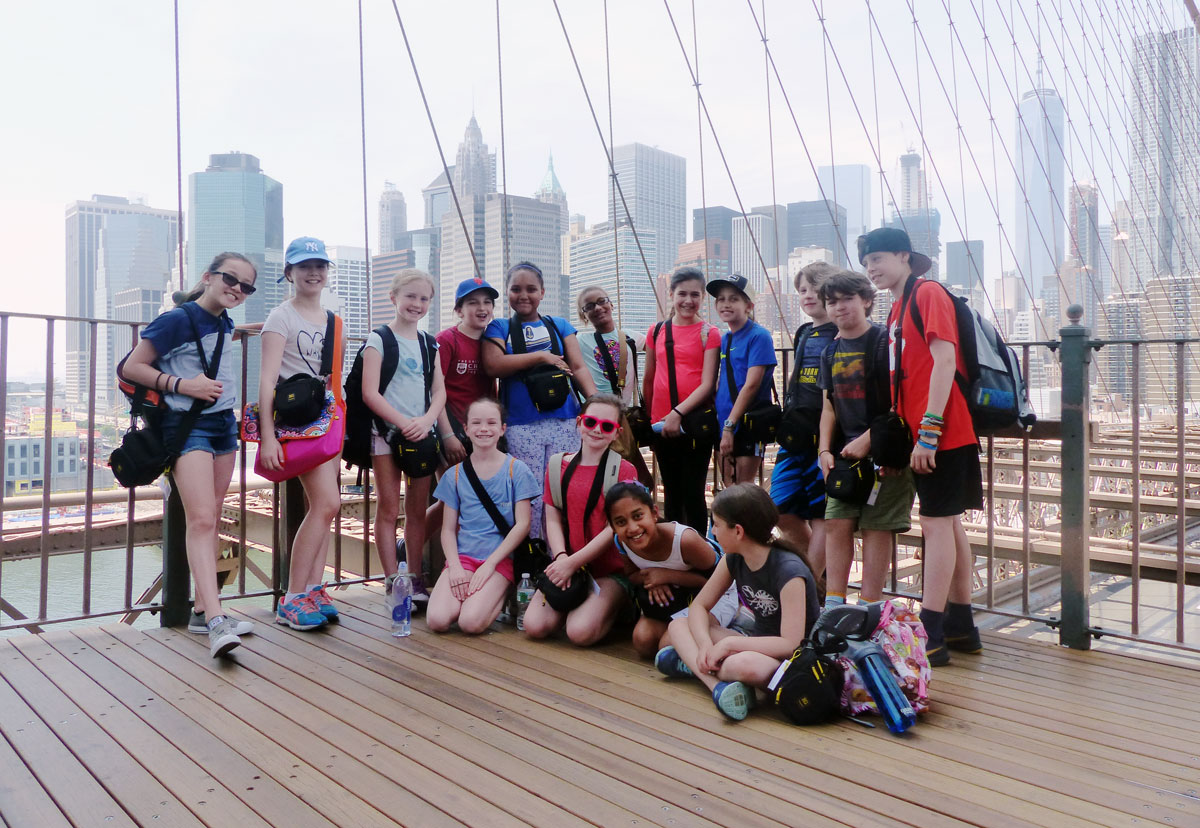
(215, 433)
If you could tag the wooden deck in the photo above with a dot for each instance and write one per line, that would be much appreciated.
(111, 726)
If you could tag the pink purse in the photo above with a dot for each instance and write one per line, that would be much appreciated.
(306, 448)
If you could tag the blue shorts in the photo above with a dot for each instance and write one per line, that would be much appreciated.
(216, 433)
(797, 486)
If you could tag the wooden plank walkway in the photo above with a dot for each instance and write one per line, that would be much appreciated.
(349, 727)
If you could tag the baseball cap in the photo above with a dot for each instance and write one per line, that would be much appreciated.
(737, 280)
(468, 286)
(893, 240)
(305, 248)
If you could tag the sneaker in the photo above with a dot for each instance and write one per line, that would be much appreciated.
(222, 638)
(324, 603)
(938, 654)
(734, 699)
(670, 664)
(300, 613)
(198, 624)
(420, 596)
(967, 643)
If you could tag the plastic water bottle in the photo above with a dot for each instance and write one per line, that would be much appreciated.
(657, 428)
(402, 590)
(524, 596)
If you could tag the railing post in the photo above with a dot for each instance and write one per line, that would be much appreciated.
(176, 581)
(292, 515)
(1075, 353)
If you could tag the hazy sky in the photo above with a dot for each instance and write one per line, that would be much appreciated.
(89, 102)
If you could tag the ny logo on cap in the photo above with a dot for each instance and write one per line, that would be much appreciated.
(311, 247)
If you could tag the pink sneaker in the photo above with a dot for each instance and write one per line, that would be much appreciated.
(324, 603)
(300, 613)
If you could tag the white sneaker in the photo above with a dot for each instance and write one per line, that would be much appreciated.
(197, 623)
(222, 638)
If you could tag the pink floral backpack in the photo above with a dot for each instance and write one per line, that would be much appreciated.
(902, 636)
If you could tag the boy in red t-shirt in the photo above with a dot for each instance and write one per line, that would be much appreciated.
(945, 459)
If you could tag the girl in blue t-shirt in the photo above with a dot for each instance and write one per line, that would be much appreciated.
(167, 360)
(534, 436)
(747, 368)
(776, 584)
(402, 406)
(479, 567)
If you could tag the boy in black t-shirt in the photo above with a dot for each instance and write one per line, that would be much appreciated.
(854, 378)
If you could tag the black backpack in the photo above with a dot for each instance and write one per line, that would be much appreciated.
(356, 450)
(993, 386)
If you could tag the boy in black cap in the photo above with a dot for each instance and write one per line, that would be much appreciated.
(945, 459)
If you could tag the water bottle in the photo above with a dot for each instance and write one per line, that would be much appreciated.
(524, 596)
(402, 590)
(657, 428)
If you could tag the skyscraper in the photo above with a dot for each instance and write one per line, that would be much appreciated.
(234, 206)
(752, 236)
(1041, 139)
(654, 183)
(914, 214)
(348, 281)
(533, 236)
(393, 218)
(552, 192)
(596, 260)
(715, 224)
(819, 224)
(1164, 154)
(964, 264)
(850, 186)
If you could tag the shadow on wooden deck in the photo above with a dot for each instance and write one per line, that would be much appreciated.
(112, 726)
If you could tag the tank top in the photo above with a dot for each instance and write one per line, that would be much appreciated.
(673, 561)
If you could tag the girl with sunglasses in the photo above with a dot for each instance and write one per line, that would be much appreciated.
(578, 535)
(534, 436)
(167, 360)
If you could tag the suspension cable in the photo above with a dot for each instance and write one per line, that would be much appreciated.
(178, 158)
(779, 268)
(612, 188)
(362, 114)
(503, 150)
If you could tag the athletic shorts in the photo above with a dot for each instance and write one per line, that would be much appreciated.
(891, 512)
(955, 484)
(797, 486)
(505, 567)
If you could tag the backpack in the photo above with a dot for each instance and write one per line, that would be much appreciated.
(993, 385)
(356, 450)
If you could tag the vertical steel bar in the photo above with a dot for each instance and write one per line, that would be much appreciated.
(47, 443)
(1025, 535)
(1075, 353)
(1135, 492)
(276, 543)
(176, 577)
(366, 522)
(3, 419)
(91, 467)
(337, 533)
(1180, 488)
(243, 548)
(991, 522)
(130, 515)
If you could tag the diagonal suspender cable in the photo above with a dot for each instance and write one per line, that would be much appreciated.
(779, 268)
(438, 141)
(725, 161)
(362, 113)
(612, 187)
(608, 155)
(178, 156)
(700, 135)
(503, 151)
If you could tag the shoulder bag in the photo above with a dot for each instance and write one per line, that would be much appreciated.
(549, 387)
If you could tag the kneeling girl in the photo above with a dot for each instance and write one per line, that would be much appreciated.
(479, 567)
(776, 584)
(578, 533)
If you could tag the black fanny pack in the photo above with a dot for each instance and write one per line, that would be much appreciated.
(891, 441)
(798, 428)
(763, 421)
(548, 387)
(299, 400)
(681, 599)
(810, 689)
(850, 481)
(140, 458)
(416, 458)
(565, 599)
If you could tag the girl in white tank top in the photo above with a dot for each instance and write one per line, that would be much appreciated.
(667, 563)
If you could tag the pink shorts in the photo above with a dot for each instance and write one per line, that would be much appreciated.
(505, 567)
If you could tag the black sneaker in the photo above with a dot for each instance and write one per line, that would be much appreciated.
(966, 643)
(937, 654)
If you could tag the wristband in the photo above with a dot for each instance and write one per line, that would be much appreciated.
(824, 451)
(937, 418)
(677, 411)
(178, 382)
(560, 554)
(925, 445)
(158, 379)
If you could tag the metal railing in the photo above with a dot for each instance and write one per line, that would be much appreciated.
(1058, 535)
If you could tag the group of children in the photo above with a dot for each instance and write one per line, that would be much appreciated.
(724, 600)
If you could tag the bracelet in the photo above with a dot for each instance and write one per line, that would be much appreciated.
(677, 411)
(560, 554)
(825, 451)
(161, 374)
(178, 382)
(925, 445)
(929, 415)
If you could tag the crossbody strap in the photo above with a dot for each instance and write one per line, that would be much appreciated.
(594, 493)
(910, 290)
(502, 525)
(633, 361)
(733, 393)
(328, 345)
(426, 365)
(610, 370)
(210, 370)
(672, 383)
(805, 333)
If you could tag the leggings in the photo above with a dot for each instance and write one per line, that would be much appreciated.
(534, 444)
(684, 468)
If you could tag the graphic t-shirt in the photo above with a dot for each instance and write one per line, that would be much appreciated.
(805, 392)
(689, 361)
(478, 536)
(579, 529)
(513, 393)
(844, 378)
(760, 590)
(406, 391)
(173, 339)
(462, 365)
(748, 346)
(302, 340)
(594, 359)
(937, 314)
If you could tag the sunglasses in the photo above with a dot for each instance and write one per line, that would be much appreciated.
(602, 302)
(233, 281)
(606, 426)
